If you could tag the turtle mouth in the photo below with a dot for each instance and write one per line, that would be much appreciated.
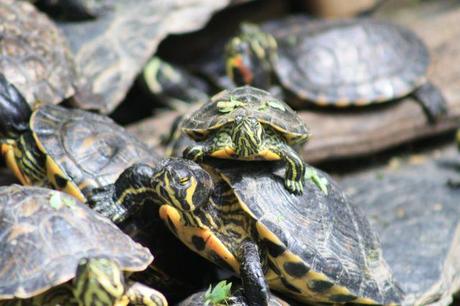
(238, 71)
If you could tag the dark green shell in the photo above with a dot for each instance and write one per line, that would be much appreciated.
(248, 101)
(34, 55)
(331, 237)
(342, 62)
(45, 233)
(91, 149)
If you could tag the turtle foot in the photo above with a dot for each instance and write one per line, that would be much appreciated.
(294, 187)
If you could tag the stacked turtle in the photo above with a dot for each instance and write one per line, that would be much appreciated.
(244, 216)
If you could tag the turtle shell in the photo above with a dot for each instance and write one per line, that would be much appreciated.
(34, 55)
(245, 101)
(44, 234)
(86, 149)
(319, 246)
(344, 62)
(111, 50)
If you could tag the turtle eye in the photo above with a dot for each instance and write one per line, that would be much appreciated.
(184, 180)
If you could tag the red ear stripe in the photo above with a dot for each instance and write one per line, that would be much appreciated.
(247, 75)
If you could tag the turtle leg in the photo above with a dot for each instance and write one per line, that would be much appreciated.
(252, 276)
(141, 295)
(432, 101)
(123, 199)
(295, 169)
(218, 145)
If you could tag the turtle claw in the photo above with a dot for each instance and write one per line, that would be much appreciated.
(194, 153)
(294, 187)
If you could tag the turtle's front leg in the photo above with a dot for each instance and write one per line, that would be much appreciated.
(294, 178)
(218, 145)
(141, 295)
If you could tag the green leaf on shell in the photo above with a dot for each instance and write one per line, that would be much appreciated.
(228, 106)
(219, 294)
(56, 200)
(320, 182)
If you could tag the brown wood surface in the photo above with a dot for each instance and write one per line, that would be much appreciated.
(348, 134)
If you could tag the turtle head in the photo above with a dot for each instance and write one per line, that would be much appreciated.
(247, 136)
(98, 280)
(15, 112)
(183, 184)
(250, 57)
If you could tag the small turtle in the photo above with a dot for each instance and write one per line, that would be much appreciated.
(315, 247)
(335, 63)
(246, 123)
(173, 86)
(56, 251)
(71, 150)
(34, 55)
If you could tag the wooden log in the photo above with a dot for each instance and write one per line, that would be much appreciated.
(369, 130)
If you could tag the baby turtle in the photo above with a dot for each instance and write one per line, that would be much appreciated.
(56, 251)
(336, 63)
(314, 247)
(247, 123)
(71, 150)
(34, 55)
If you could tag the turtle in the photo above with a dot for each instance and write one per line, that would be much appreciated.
(337, 63)
(111, 50)
(69, 149)
(247, 123)
(56, 251)
(34, 54)
(172, 85)
(314, 247)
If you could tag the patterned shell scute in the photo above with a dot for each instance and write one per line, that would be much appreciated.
(330, 235)
(245, 101)
(358, 60)
(44, 234)
(34, 55)
(90, 148)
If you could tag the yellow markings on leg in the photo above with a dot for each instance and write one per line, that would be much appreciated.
(269, 155)
(8, 152)
(53, 170)
(224, 153)
(187, 234)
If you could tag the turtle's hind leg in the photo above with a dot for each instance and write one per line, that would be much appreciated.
(432, 101)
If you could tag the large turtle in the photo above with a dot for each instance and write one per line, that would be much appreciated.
(335, 63)
(49, 238)
(71, 150)
(315, 247)
(247, 123)
(34, 55)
